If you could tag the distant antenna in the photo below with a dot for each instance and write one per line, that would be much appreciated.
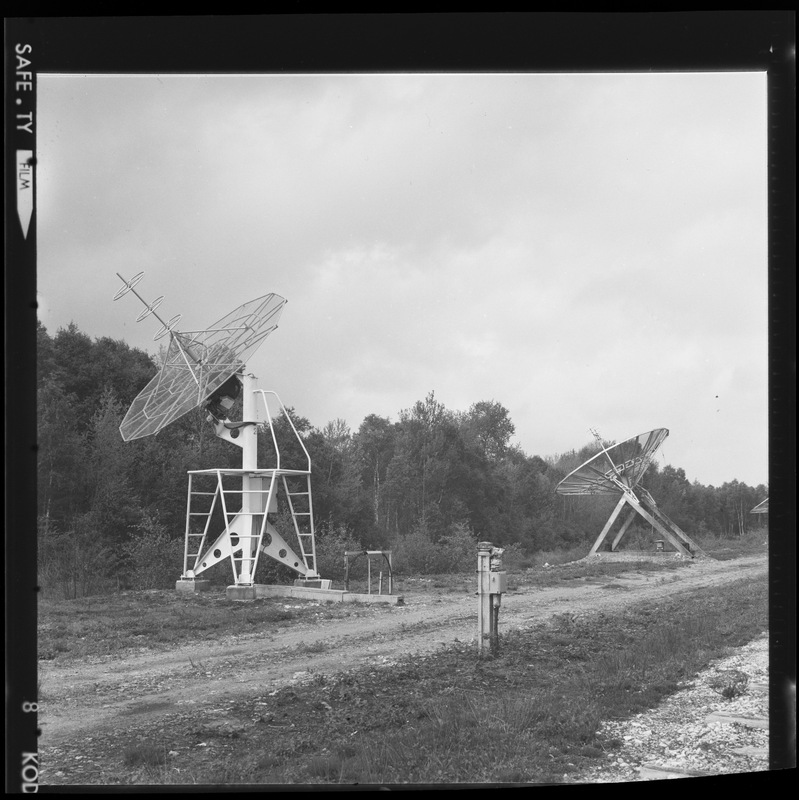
(628, 461)
(761, 507)
(207, 368)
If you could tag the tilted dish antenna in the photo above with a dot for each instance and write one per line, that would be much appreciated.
(617, 470)
(197, 363)
(207, 368)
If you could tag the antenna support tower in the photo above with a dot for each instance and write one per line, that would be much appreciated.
(206, 369)
(617, 470)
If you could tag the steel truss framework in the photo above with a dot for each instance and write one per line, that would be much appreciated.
(246, 498)
(617, 470)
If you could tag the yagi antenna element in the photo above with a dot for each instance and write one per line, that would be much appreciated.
(166, 327)
(197, 362)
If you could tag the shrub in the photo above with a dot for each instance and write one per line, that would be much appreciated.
(515, 558)
(155, 558)
(73, 563)
(418, 554)
(331, 544)
(460, 546)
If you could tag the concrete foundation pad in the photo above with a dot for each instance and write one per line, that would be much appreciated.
(313, 583)
(325, 595)
(640, 555)
(240, 593)
(192, 586)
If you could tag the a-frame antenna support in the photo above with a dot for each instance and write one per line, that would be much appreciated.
(616, 470)
(643, 504)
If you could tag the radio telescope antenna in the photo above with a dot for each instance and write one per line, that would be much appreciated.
(761, 507)
(207, 368)
(628, 461)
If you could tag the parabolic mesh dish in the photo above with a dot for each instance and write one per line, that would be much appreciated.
(626, 462)
(197, 363)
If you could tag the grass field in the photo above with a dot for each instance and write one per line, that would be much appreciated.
(529, 713)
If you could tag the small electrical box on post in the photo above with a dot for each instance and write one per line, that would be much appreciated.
(491, 583)
(497, 582)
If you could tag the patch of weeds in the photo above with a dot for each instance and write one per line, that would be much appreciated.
(312, 647)
(144, 755)
(564, 622)
(511, 775)
(198, 666)
(268, 762)
(730, 683)
(328, 767)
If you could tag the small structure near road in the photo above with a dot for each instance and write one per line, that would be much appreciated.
(491, 583)
(351, 555)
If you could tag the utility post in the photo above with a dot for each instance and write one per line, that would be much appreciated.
(491, 582)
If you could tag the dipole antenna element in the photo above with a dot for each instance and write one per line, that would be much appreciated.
(149, 308)
(603, 448)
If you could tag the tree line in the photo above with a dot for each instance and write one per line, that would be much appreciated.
(433, 481)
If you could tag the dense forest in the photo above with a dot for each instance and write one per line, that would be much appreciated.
(427, 485)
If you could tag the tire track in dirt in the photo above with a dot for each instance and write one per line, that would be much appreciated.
(89, 695)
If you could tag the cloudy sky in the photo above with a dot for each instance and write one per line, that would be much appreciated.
(589, 250)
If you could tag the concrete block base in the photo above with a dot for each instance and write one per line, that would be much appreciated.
(639, 555)
(240, 593)
(192, 586)
(313, 583)
(326, 595)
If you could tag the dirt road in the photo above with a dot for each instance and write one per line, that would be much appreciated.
(81, 698)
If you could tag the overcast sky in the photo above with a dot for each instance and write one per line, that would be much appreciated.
(589, 250)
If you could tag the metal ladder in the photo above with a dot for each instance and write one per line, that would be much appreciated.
(195, 493)
(301, 510)
(236, 538)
